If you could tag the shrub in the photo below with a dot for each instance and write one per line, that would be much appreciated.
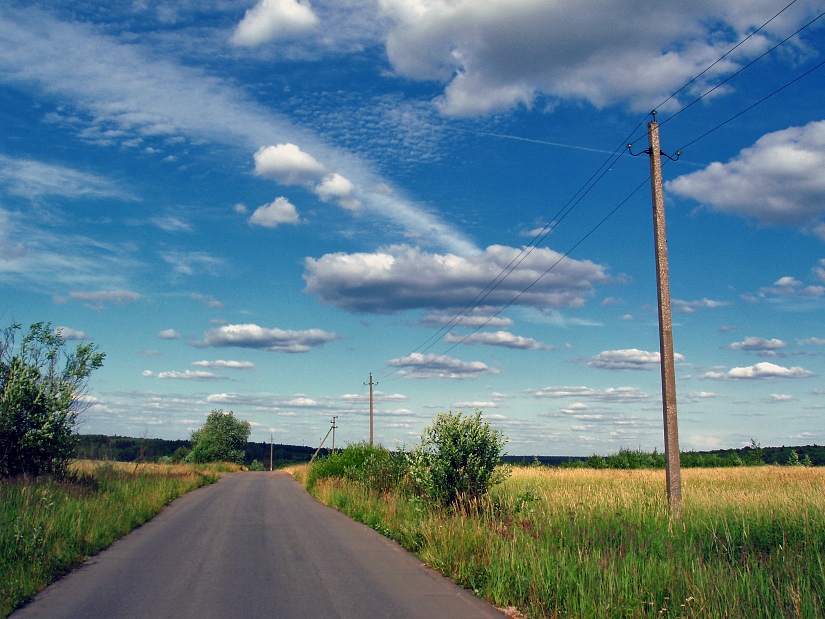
(457, 458)
(41, 399)
(256, 465)
(221, 439)
(372, 466)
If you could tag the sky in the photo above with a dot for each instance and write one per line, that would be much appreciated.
(254, 206)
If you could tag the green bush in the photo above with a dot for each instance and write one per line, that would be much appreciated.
(41, 397)
(221, 439)
(372, 466)
(256, 465)
(458, 458)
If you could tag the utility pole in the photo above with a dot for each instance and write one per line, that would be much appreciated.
(673, 467)
(334, 417)
(270, 452)
(370, 408)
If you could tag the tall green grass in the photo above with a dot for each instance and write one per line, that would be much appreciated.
(49, 526)
(600, 543)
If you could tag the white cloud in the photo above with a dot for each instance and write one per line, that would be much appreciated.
(815, 341)
(67, 333)
(276, 340)
(34, 179)
(336, 187)
(497, 54)
(434, 366)
(192, 262)
(481, 406)
(790, 286)
(170, 223)
(168, 334)
(697, 396)
(273, 19)
(776, 398)
(777, 181)
(221, 364)
(476, 317)
(629, 359)
(610, 394)
(287, 164)
(498, 338)
(762, 370)
(403, 277)
(208, 301)
(99, 299)
(758, 344)
(280, 211)
(186, 375)
(691, 306)
(128, 90)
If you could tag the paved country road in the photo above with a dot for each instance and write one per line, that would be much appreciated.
(254, 545)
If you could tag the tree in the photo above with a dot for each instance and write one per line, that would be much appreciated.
(42, 390)
(457, 458)
(221, 439)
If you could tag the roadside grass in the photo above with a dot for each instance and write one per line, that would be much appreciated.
(600, 543)
(50, 526)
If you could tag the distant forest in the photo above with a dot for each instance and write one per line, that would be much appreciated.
(128, 449)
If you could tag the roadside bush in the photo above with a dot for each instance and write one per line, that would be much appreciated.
(41, 398)
(458, 458)
(373, 466)
(221, 439)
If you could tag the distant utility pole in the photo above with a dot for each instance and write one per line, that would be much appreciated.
(674, 475)
(270, 452)
(334, 417)
(370, 408)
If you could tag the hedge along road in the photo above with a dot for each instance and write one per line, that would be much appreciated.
(254, 545)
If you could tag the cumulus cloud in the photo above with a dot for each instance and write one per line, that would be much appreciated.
(497, 54)
(688, 307)
(221, 364)
(186, 375)
(287, 164)
(67, 333)
(336, 187)
(273, 19)
(168, 334)
(776, 398)
(276, 340)
(208, 301)
(434, 366)
(757, 344)
(498, 338)
(280, 211)
(99, 299)
(403, 277)
(815, 341)
(777, 181)
(629, 359)
(476, 317)
(762, 370)
(610, 394)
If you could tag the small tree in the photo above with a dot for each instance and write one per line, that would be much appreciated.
(41, 399)
(221, 439)
(457, 458)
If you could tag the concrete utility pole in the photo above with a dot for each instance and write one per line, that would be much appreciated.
(673, 467)
(370, 408)
(334, 417)
(270, 452)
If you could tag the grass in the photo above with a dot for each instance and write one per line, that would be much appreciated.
(48, 527)
(600, 543)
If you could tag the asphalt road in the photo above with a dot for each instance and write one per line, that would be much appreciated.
(254, 545)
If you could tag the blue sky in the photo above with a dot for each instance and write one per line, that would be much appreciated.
(253, 206)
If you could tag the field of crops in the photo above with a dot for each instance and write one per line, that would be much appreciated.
(600, 543)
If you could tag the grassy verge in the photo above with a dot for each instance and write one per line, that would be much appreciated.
(589, 543)
(48, 527)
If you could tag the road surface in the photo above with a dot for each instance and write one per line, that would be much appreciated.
(254, 545)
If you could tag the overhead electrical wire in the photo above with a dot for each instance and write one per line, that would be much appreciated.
(584, 190)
